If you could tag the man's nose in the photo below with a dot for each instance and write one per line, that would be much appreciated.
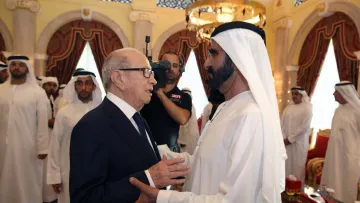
(152, 80)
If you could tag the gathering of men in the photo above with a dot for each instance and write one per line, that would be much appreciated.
(102, 141)
(295, 125)
(248, 172)
(144, 143)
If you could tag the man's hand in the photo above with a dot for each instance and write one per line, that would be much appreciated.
(51, 123)
(57, 188)
(148, 194)
(42, 156)
(159, 92)
(286, 141)
(163, 172)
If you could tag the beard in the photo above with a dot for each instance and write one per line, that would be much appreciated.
(171, 77)
(18, 75)
(84, 96)
(222, 75)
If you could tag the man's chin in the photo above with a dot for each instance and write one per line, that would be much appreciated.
(18, 76)
(83, 97)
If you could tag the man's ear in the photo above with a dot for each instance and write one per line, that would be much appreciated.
(118, 79)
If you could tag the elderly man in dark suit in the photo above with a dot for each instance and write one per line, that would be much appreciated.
(112, 143)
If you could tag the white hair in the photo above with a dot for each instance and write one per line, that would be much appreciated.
(116, 60)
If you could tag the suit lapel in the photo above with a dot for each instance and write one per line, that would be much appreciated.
(124, 128)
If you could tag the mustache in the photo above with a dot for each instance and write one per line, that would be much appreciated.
(210, 70)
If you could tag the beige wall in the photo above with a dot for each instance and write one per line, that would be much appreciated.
(51, 9)
(6, 17)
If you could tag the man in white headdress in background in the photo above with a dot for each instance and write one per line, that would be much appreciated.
(342, 161)
(295, 124)
(240, 155)
(83, 94)
(189, 133)
(23, 134)
(50, 85)
(60, 101)
(4, 75)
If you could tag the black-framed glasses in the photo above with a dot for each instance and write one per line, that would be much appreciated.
(147, 72)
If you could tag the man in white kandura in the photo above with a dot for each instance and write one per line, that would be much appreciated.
(189, 133)
(240, 155)
(50, 85)
(83, 93)
(23, 134)
(295, 125)
(342, 161)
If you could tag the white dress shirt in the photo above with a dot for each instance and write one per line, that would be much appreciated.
(129, 112)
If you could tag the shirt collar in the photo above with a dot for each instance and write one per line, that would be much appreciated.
(128, 110)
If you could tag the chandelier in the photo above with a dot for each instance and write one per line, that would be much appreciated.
(203, 16)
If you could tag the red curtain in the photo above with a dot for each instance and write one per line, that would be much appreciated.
(99, 57)
(66, 46)
(62, 69)
(311, 58)
(346, 42)
(343, 31)
(103, 44)
(2, 48)
(183, 42)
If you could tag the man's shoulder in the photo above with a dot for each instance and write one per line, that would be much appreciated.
(247, 107)
(66, 111)
(94, 119)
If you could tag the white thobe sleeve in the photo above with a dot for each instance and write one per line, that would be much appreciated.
(304, 125)
(164, 150)
(62, 103)
(243, 176)
(53, 175)
(42, 123)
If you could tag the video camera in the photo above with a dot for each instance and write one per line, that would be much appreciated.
(160, 68)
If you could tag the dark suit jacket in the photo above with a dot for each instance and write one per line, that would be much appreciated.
(105, 151)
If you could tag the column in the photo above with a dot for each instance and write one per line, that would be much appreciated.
(24, 25)
(143, 16)
(290, 82)
(357, 54)
(281, 28)
(40, 64)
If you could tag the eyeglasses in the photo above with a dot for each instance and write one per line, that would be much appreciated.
(146, 71)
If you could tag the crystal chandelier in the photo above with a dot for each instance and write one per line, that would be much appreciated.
(203, 16)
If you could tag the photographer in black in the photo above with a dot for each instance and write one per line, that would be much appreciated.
(169, 107)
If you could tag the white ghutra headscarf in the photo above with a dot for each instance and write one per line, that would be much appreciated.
(30, 77)
(70, 94)
(305, 97)
(245, 45)
(348, 91)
